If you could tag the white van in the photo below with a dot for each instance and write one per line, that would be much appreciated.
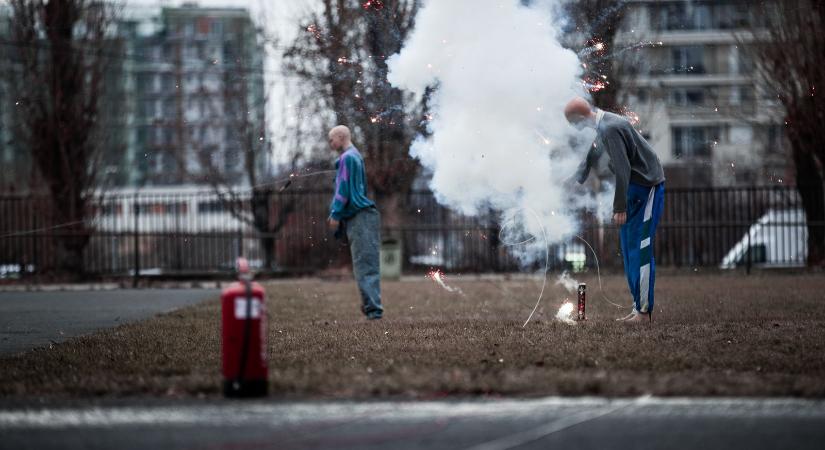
(778, 239)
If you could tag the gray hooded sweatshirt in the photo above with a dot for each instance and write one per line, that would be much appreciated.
(632, 159)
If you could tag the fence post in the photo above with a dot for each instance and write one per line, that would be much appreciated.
(750, 219)
(178, 251)
(240, 229)
(136, 237)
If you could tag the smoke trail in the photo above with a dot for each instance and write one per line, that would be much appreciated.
(498, 134)
(567, 282)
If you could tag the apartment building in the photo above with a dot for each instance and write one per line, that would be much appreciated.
(198, 96)
(183, 101)
(693, 86)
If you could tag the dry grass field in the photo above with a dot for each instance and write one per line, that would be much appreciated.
(712, 335)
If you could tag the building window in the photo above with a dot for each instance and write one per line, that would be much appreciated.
(157, 136)
(170, 108)
(744, 64)
(232, 160)
(193, 108)
(211, 82)
(694, 142)
(142, 136)
(687, 97)
(147, 109)
(167, 163)
(203, 25)
(776, 139)
(170, 52)
(190, 52)
(168, 82)
(193, 135)
(688, 59)
(161, 208)
(146, 82)
(217, 29)
(699, 17)
(169, 136)
(732, 16)
(681, 16)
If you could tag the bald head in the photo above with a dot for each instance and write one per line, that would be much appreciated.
(340, 138)
(579, 112)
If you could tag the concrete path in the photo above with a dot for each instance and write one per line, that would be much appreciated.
(34, 319)
(578, 423)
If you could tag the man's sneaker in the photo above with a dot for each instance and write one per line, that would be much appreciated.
(374, 316)
(639, 317)
(627, 317)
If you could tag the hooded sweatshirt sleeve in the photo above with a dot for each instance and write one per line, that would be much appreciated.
(342, 187)
(584, 168)
(588, 162)
(617, 147)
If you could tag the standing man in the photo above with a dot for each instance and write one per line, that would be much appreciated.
(639, 198)
(355, 217)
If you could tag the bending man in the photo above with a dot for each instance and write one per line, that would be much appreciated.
(639, 198)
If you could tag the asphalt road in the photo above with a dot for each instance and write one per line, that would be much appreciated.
(35, 319)
(580, 423)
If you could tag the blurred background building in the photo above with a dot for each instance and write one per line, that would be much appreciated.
(8, 158)
(696, 95)
(184, 101)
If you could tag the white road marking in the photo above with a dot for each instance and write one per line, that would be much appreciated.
(563, 423)
(271, 413)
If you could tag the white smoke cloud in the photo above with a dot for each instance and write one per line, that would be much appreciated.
(565, 313)
(499, 136)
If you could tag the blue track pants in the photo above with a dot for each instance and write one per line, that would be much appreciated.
(644, 208)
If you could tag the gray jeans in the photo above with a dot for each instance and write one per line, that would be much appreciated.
(364, 235)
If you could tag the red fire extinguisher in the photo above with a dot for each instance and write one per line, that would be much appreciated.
(243, 341)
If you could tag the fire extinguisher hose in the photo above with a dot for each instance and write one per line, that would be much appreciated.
(247, 332)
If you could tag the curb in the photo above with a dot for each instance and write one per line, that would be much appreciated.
(110, 286)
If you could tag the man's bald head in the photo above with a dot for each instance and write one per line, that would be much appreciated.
(340, 138)
(578, 111)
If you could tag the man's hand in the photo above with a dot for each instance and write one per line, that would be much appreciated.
(620, 218)
(332, 223)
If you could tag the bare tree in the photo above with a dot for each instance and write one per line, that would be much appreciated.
(341, 54)
(238, 107)
(597, 22)
(786, 42)
(60, 49)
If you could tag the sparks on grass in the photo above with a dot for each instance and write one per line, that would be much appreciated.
(438, 276)
(565, 312)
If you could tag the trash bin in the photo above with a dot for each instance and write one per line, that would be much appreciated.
(391, 258)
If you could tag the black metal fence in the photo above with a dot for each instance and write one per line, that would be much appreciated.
(189, 232)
